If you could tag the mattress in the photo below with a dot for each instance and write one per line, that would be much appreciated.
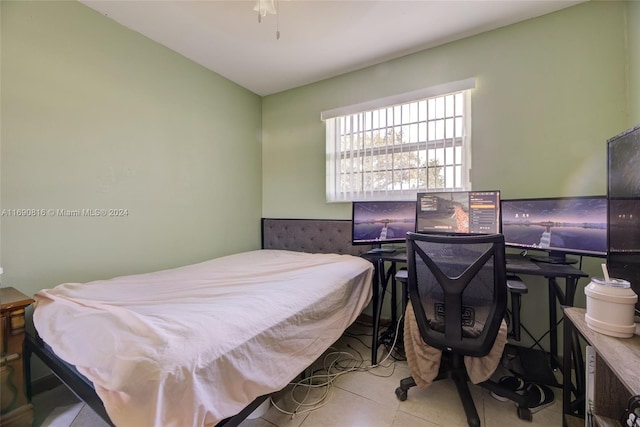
(194, 345)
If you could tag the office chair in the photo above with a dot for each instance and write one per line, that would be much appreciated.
(458, 290)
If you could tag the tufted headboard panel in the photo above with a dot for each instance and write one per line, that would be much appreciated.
(310, 235)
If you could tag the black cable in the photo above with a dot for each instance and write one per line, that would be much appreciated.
(537, 342)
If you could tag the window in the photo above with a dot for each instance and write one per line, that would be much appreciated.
(393, 148)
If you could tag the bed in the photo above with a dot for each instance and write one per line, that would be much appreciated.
(204, 344)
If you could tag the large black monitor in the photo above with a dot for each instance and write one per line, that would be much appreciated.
(623, 182)
(458, 212)
(623, 190)
(624, 225)
(378, 222)
(557, 225)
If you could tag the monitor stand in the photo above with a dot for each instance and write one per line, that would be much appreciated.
(380, 250)
(554, 258)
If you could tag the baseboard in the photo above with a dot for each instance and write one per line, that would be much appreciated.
(45, 383)
(366, 319)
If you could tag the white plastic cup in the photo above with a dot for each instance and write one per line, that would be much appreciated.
(610, 307)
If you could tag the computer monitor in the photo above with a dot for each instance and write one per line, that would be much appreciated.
(378, 222)
(624, 225)
(458, 212)
(558, 226)
(623, 190)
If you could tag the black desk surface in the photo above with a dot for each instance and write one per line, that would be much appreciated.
(516, 264)
(523, 265)
(398, 256)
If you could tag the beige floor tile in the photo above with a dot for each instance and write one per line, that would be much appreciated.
(45, 403)
(402, 419)
(377, 384)
(63, 416)
(440, 404)
(88, 418)
(286, 403)
(348, 409)
(257, 422)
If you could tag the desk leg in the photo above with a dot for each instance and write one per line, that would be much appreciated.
(570, 293)
(572, 358)
(566, 367)
(564, 298)
(574, 349)
(394, 299)
(405, 297)
(553, 318)
(377, 305)
(379, 290)
(381, 280)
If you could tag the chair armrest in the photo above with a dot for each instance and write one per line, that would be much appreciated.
(516, 289)
(402, 275)
(516, 285)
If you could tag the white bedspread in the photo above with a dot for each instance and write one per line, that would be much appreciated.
(193, 345)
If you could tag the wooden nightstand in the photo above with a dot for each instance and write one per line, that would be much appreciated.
(15, 410)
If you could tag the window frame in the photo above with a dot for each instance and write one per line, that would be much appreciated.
(341, 121)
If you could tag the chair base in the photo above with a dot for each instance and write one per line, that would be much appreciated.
(405, 385)
(473, 419)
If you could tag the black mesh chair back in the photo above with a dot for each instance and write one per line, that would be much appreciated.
(457, 286)
(458, 291)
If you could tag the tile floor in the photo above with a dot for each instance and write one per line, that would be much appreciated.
(362, 397)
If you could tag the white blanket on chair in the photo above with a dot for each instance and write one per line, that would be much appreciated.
(424, 360)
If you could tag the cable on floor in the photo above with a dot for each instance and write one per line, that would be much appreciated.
(335, 364)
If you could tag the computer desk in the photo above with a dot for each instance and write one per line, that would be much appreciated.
(521, 265)
(381, 279)
(516, 265)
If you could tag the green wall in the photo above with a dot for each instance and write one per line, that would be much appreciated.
(633, 37)
(549, 92)
(95, 116)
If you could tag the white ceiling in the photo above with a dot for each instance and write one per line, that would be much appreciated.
(318, 39)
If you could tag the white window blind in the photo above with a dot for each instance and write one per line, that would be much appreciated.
(394, 147)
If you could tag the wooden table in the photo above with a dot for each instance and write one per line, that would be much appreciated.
(15, 410)
(617, 370)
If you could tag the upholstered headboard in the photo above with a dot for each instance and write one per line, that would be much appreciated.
(310, 235)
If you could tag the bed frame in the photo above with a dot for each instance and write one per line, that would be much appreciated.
(301, 235)
(310, 235)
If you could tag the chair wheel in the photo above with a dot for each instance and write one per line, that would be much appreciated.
(524, 414)
(401, 394)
